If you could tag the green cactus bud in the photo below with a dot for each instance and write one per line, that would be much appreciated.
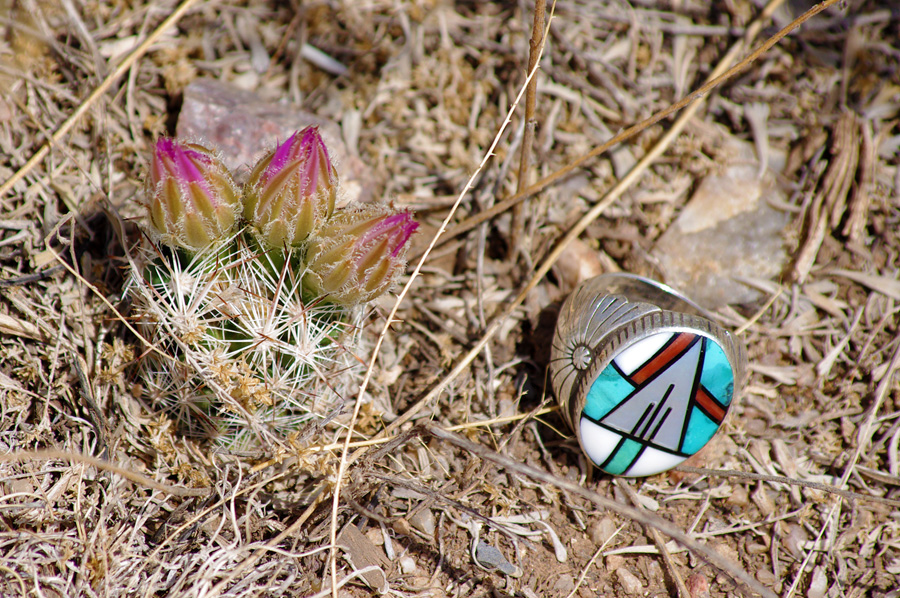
(291, 191)
(359, 254)
(193, 200)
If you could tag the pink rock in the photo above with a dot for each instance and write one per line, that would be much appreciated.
(243, 127)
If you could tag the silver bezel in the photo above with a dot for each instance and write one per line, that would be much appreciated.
(594, 326)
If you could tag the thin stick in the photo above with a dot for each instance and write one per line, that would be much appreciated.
(131, 476)
(536, 46)
(95, 95)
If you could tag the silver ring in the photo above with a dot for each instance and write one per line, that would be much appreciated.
(644, 375)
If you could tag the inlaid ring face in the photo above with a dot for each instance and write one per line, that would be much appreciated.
(643, 388)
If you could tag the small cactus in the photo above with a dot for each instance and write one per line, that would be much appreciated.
(257, 321)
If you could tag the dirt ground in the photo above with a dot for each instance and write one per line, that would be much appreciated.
(799, 492)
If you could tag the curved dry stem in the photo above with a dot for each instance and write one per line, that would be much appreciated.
(132, 476)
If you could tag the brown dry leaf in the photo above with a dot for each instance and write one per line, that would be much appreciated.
(825, 211)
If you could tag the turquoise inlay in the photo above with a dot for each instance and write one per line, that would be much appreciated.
(623, 458)
(699, 430)
(607, 391)
(717, 376)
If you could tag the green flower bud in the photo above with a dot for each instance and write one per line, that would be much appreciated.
(359, 254)
(193, 200)
(291, 191)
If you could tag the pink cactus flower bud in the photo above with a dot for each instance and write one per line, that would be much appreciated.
(291, 191)
(193, 200)
(359, 254)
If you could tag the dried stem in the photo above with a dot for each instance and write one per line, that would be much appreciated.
(517, 230)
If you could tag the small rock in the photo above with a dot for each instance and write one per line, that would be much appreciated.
(423, 521)
(564, 586)
(582, 548)
(491, 558)
(766, 577)
(727, 229)
(738, 498)
(375, 537)
(614, 562)
(243, 127)
(577, 263)
(630, 583)
(401, 526)
(728, 552)
(601, 531)
(818, 585)
(653, 570)
(763, 501)
(796, 540)
(757, 548)
(756, 427)
(697, 586)
(407, 565)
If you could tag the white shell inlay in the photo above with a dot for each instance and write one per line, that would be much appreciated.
(652, 462)
(636, 355)
(598, 443)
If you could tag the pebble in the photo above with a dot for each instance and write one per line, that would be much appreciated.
(243, 126)
(630, 583)
(766, 577)
(818, 585)
(614, 562)
(407, 565)
(424, 522)
(564, 586)
(601, 531)
(697, 586)
(491, 558)
(375, 537)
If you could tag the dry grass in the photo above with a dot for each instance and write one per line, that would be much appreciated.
(429, 84)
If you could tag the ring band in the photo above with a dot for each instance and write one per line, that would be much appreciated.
(644, 375)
